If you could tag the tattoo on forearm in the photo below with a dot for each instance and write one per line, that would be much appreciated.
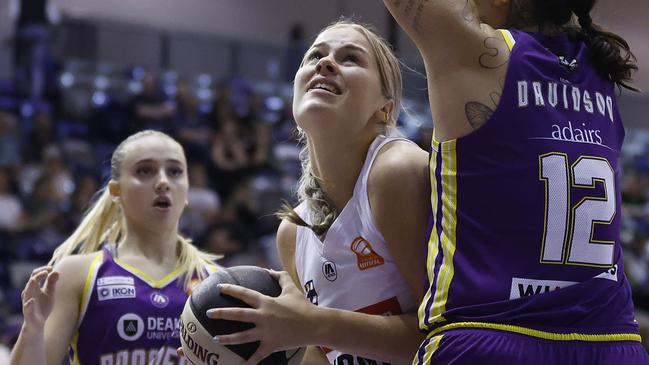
(477, 114)
(491, 58)
(415, 17)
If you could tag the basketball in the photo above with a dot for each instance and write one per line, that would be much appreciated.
(197, 330)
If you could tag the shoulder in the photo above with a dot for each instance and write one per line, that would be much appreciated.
(74, 269)
(286, 235)
(397, 161)
(78, 262)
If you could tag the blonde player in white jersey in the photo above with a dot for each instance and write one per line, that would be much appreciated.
(355, 244)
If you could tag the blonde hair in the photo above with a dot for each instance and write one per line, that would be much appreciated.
(309, 188)
(104, 222)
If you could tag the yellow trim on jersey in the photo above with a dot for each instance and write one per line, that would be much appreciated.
(448, 234)
(433, 241)
(90, 278)
(144, 276)
(75, 346)
(429, 351)
(539, 334)
(508, 37)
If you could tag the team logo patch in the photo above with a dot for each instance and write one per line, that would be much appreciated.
(366, 257)
(130, 327)
(329, 271)
(159, 300)
(309, 289)
(108, 292)
(569, 64)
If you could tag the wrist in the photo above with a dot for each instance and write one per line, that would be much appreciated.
(32, 332)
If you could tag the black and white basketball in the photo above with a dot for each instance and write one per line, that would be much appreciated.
(197, 330)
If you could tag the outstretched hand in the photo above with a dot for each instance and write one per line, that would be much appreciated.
(38, 296)
(288, 315)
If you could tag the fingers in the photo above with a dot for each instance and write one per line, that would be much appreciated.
(50, 282)
(237, 338)
(33, 285)
(180, 352)
(234, 314)
(249, 296)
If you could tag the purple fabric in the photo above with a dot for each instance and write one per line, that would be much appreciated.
(484, 347)
(501, 199)
(131, 323)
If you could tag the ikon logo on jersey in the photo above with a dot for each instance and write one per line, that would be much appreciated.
(108, 292)
(159, 300)
(366, 257)
(329, 271)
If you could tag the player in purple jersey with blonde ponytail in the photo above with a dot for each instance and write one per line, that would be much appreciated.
(118, 284)
(524, 259)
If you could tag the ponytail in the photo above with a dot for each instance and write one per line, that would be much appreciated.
(102, 222)
(609, 52)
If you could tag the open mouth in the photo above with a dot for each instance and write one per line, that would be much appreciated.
(162, 202)
(326, 86)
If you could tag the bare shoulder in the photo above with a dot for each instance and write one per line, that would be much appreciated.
(74, 269)
(399, 160)
(286, 236)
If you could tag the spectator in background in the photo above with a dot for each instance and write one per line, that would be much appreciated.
(12, 215)
(85, 187)
(223, 107)
(191, 129)
(31, 45)
(295, 50)
(256, 133)
(203, 203)
(9, 142)
(42, 134)
(228, 156)
(150, 109)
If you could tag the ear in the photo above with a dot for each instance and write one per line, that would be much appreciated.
(113, 189)
(387, 109)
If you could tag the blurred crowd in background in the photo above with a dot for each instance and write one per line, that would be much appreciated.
(58, 128)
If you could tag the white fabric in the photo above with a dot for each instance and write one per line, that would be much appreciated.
(381, 287)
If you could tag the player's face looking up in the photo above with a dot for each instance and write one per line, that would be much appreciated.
(338, 86)
(152, 182)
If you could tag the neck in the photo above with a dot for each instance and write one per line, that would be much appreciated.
(338, 166)
(155, 245)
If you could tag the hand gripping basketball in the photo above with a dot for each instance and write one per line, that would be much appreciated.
(241, 315)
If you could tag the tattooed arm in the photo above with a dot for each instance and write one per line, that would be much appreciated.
(465, 59)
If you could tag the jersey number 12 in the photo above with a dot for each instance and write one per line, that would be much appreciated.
(568, 235)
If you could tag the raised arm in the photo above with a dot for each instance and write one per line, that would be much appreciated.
(465, 58)
(51, 309)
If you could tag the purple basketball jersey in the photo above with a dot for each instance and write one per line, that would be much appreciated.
(526, 236)
(126, 317)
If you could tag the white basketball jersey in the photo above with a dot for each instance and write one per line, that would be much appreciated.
(352, 269)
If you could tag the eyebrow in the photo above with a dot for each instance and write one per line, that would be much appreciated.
(150, 160)
(348, 46)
